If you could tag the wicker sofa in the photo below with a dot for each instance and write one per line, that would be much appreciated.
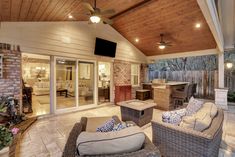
(70, 150)
(176, 141)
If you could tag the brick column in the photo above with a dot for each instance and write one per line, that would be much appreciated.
(11, 82)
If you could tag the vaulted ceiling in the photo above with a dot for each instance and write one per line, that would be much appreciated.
(142, 19)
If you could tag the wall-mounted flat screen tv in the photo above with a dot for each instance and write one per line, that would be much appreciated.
(105, 48)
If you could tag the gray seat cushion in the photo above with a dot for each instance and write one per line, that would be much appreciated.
(98, 143)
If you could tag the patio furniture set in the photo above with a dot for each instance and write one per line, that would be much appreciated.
(167, 139)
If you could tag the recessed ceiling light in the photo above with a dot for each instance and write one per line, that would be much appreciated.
(137, 40)
(198, 25)
(70, 16)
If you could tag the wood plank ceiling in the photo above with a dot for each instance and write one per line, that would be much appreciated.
(175, 18)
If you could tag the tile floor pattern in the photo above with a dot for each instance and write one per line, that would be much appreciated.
(47, 137)
(41, 104)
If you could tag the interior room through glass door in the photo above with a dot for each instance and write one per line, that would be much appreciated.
(86, 83)
(36, 84)
(104, 82)
(65, 83)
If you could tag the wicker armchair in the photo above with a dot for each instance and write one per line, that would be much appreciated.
(176, 141)
(70, 150)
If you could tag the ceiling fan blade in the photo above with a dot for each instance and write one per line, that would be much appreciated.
(88, 6)
(161, 43)
(80, 14)
(167, 42)
(107, 21)
(109, 11)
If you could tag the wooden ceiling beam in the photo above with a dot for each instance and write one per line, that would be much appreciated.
(131, 8)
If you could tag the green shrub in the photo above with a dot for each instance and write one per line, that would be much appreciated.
(231, 96)
(6, 137)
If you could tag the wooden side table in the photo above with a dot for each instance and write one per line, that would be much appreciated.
(143, 94)
(148, 86)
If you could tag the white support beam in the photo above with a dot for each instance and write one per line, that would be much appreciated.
(227, 20)
(184, 54)
(52, 85)
(221, 70)
(209, 11)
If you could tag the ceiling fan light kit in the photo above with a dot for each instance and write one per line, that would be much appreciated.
(95, 19)
(163, 44)
(97, 15)
(161, 47)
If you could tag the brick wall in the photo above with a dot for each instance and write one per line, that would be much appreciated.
(122, 72)
(122, 75)
(11, 83)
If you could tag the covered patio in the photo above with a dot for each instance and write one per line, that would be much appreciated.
(51, 71)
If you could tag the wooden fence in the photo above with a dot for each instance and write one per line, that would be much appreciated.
(206, 81)
(229, 81)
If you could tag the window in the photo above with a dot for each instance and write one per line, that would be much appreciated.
(135, 72)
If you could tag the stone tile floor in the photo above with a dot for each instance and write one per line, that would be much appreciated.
(47, 137)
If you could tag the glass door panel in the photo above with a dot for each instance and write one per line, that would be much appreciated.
(36, 80)
(104, 82)
(86, 83)
(65, 83)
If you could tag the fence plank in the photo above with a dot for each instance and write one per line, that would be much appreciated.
(206, 80)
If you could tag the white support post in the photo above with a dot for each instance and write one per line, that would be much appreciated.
(221, 69)
(221, 92)
(52, 84)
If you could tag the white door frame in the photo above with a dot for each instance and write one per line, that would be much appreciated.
(54, 82)
(76, 88)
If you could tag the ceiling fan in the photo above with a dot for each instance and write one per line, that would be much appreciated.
(163, 44)
(97, 15)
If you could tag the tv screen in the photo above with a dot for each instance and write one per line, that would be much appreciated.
(105, 48)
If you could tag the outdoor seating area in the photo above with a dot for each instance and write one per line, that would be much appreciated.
(98, 78)
(57, 138)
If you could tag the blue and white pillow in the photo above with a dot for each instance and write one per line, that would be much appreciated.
(121, 126)
(107, 126)
(173, 117)
(193, 106)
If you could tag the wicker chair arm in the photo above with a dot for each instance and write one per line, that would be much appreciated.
(177, 130)
(83, 123)
(70, 146)
(149, 150)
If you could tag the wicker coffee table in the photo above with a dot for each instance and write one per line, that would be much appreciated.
(140, 112)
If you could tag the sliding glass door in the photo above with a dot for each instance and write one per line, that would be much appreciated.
(86, 76)
(36, 80)
(104, 70)
(75, 83)
(65, 83)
